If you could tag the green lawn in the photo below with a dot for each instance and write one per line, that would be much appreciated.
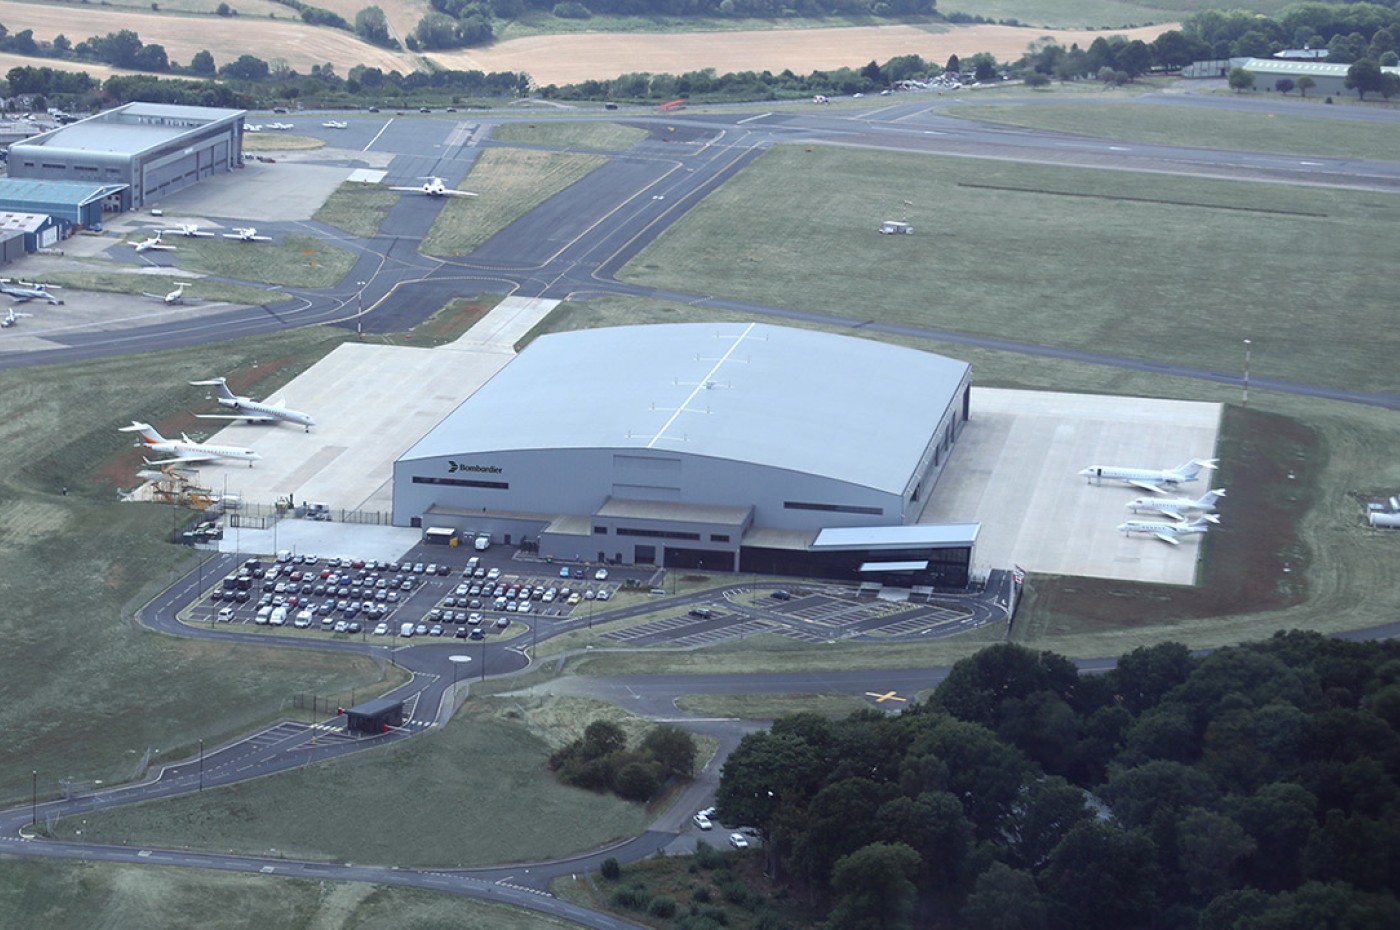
(357, 208)
(63, 895)
(127, 283)
(1299, 134)
(294, 260)
(1148, 266)
(474, 793)
(510, 183)
(769, 706)
(606, 137)
(1069, 14)
(76, 566)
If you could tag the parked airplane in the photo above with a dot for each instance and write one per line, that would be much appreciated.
(189, 230)
(146, 245)
(1178, 507)
(1170, 532)
(335, 124)
(23, 292)
(253, 411)
(434, 188)
(176, 296)
(279, 125)
(1149, 479)
(12, 318)
(185, 450)
(247, 234)
(252, 127)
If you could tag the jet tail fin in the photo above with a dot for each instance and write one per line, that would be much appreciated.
(222, 384)
(147, 431)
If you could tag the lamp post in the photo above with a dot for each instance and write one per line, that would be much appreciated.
(34, 804)
(360, 311)
(201, 765)
(1245, 402)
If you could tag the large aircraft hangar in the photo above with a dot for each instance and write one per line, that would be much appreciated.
(153, 148)
(727, 446)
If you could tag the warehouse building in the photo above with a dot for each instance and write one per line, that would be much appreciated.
(69, 203)
(721, 446)
(149, 149)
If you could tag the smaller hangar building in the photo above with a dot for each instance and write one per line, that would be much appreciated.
(153, 148)
(720, 446)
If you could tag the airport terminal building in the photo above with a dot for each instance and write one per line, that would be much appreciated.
(722, 446)
(154, 149)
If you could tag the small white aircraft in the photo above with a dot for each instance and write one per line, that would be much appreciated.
(146, 245)
(23, 291)
(247, 234)
(185, 450)
(1178, 507)
(335, 124)
(268, 411)
(1170, 533)
(279, 125)
(176, 296)
(434, 187)
(12, 319)
(188, 230)
(252, 127)
(1149, 479)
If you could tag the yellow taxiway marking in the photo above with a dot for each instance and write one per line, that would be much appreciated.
(882, 698)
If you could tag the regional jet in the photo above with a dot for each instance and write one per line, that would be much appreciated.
(146, 245)
(189, 230)
(1178, 507)
(248, 409)
(1149, 479)
(247, 234)
(23, 292)
(12, 319)
(1170, 533)
(184, 450)
(434, 187)
(176, 296)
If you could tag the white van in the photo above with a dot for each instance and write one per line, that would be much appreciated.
(406, 630)
(264, 613)
(483, 542)
(226, 614)
(303, 619)
(278, 617)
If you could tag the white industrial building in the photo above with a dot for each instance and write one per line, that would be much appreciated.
(727, 446)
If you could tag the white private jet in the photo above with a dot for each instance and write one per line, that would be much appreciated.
(146, 245)
(1149, 479)
(335, 124)
(247, 234)
(248, 409)
(184, 450)
(279, 125)
(12, 319)
(176, 296)
(1170, 533)
(23, 291)
(1178, 507)
(434, 187)
(252, 127)
(188, 230)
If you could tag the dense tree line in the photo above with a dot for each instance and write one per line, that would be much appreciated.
(600, 760)
(1257, 788)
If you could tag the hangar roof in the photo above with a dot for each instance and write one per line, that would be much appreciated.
(897, 537)
(846, 408)
(39, 192)
(130, 129)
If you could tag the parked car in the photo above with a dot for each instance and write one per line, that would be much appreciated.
(738, 841)
(600, 575)
(702, 821)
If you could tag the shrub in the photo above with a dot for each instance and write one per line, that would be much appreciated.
(570, 9)
(630, 897)
(701, 895)
(708, 857)
(662, 906)
(611, 869)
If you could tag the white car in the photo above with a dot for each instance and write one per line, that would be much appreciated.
(493, 574)
(381, 630)
(702, 821)
(738, 841)
(600, 575)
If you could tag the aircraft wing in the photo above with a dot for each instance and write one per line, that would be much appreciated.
(160, 297)
(250, 417)
(452, 193)
(20, 298)
(184, 459)
(414, 190)
(1147, 486)
(1174, 515)
(1168, 538)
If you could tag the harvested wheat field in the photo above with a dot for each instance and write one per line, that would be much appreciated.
(299, 45)
(402, 15)
(100, 72)
(568, 59)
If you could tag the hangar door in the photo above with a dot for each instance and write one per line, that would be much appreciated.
(169, 173)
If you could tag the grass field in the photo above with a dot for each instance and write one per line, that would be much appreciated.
(1145, 122)
(127, 283)
(1149, 266)
(357, 208)
(605, 137)
(295, 260)
(275, 141)
(769, 706)
(61, 895)
(78, 564)
(511, 183)
(452, 797)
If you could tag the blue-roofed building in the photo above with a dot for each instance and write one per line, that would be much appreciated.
(38, 230)
(723, 446)
(148, 149)
(70, 203)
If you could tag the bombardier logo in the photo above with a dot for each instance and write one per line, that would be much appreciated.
(453, 467)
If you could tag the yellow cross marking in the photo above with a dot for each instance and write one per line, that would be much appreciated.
(882, 698)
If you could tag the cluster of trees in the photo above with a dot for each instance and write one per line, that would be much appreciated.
(1349, 32)
(601, 761)
(1255, 788)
